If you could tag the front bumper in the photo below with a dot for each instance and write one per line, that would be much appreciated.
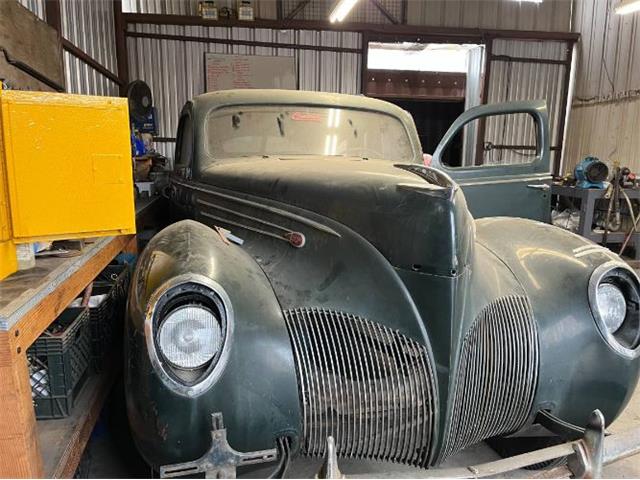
(585, 458)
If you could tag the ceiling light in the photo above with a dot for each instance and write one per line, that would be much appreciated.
(341, 10)
(628, 6)
(529, 1)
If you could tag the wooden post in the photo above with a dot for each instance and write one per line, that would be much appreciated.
(52, 12)
(19, 450)
(121, 46)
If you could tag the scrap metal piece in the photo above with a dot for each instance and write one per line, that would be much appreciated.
(221, 460)
(330, 468)
(589, 453)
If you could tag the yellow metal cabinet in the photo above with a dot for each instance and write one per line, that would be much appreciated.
(8, 261)
(67, 166)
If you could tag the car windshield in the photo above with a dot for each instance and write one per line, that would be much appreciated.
(291, 130)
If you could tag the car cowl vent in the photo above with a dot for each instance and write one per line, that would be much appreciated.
(366, 385)
(497, 375)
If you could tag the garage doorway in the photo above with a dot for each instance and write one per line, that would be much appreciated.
(434, 82)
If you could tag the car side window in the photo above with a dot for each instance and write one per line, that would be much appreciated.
(184, 146)
(501, 139)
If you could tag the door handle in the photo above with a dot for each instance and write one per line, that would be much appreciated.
(540, 186)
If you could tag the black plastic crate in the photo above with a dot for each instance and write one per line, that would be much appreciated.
(107, 317)
(59, 363)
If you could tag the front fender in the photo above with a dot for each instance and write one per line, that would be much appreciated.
(578, 371)
(256, 389)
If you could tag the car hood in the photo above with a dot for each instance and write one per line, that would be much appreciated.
(415, 216)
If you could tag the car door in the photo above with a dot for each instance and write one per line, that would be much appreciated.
(180, 195)
(518, 186)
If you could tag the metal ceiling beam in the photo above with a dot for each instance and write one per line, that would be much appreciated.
(248, 43)
(299, 7)
(467, 34)
(90, 61)
(385, 12)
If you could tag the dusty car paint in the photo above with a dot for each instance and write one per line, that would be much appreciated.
(497, 310)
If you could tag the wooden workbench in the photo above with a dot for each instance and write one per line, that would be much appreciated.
(29, 302)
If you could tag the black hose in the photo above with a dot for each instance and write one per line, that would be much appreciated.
(283, 445)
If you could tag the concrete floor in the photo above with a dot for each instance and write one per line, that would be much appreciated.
(110, 454)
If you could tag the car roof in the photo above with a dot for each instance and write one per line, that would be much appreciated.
(223, 98)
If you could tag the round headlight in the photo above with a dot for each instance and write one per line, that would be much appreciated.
(614, 297)
(190, 336)
(611, 305)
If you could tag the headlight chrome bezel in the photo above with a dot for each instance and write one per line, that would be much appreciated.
(171, 342)
(159, 305)
(626, 340)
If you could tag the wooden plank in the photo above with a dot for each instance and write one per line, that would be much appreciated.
(19, 446)
(40, 49)
(62, 441)
(19, 453)
(38, 318)
(21, 291)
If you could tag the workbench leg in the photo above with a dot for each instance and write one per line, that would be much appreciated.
(587, 208)
(19, 451)
(131, 246)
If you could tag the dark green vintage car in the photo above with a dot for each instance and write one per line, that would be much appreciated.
(322, 288)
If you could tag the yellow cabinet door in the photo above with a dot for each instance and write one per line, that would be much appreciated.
(8, 260)
(68, 165)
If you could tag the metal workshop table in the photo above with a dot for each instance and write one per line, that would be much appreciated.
(588, 197)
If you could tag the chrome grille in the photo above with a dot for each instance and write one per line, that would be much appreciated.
(497, 375)
(369, 387)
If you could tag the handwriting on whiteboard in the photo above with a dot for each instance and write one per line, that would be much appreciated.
(225, 72)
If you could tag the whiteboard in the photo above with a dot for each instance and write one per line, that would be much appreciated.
(223, 72)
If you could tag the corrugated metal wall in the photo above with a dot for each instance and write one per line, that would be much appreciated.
(608, 131)
(35, 6)
(363, 12)
(89, 25)
(265, 9)
(609, 50)
(83, 79)
(550, 15)
(511, 81)
(606, 108)
(175, 69)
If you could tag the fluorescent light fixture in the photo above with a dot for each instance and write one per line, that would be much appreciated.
(528, 1)
(341, 10)
(627, 6)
